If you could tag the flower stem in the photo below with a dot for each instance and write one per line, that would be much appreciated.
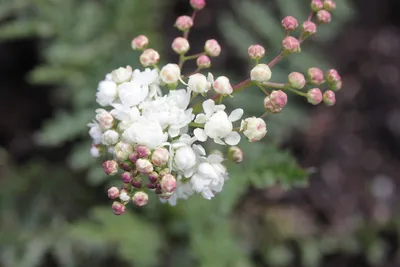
(274, 85)
(193, 56)
(295, 91)
(276, 59)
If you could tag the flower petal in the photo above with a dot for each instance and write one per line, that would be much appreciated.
(219, 141)
(233, 139)
(173, 132)
(236, 115)
(200, 134)
(208, 106)
(201, 118)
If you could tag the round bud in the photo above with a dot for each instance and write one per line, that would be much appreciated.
(329, 5)
(235, 154)
(324, 16)
(291, 45)
(140, 199)
(118, 208)
(256, 51)
(136, 184)
(260, 73)
(180, 45)
(316, 5)
(124, 196)
(184, 23)
(151, 185)
(133, 157)
(212, 48)
(270, 106)
(170, 73)
(203, 62)
(334, 80)
(110, 167)
(149, 57)
(113, 192)
(309, 28)
(290, 23)
(223, 86)
(104, 118)
(296, 80)
(140, 42)
(122, 151)
(160, 156)
(315, 76)
(153, 177)
(198, 83)
(144, 166)
(110, 137)
(314, 96)
(253, 128)
(275, 101)
(126, 177)
(198, 4)
(329, 98)
(168, 183)
(143, 151)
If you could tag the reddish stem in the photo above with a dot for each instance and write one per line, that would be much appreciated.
(310, 16)
(275, 60)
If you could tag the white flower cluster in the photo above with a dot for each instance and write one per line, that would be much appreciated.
(157, 139)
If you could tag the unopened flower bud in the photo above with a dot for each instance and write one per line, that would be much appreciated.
(118, 208)
(124, 196)
(168, 183)
(143, 151)
(184, 23)
(316, 5)
(110, 167)
(180, 45)
(160, 156)
(315, 76)
(140, 42)
(256, 51)
(153, 177)
(133, 157)
(296, 80)
(136, 184)
(170, 73)
(260, 73)
(275, 101)
(212, 48)
(290, 23)
(253, 128)
(122, 151)
(270, 106)
(324, 16)
(198, 4)
(158, 189)
(104, 118)
(121, 74)
(235, 154)
(329, 5)
(140, 199)
(336, 86)
(149, 57)
(164, 171)
(291, 45)
(223, 86)
(151, 185)
(144, 166)
(329, 98)
(199, 83)
(110, 137)
(309, 28)
(334, 80)
(113, 192)
(203, 62)
(126, 177)
(314, 96)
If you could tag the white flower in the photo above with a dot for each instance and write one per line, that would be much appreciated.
(185, 160)
(198, 83)
(261, 73)
(223, 86)
(124, 196)
(150, 78)
(95, 132)
(182, 191)
(145, 132)
(121, 74)
(106, 93)
(104, 118)
(94, 151)
(132, 93)
(170, 73)
(253, 128)
(110, 137)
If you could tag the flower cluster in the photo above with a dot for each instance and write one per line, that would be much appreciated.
(153, 124)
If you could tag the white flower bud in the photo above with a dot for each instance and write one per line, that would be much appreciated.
(160, 156)
(121, 75)
(261, 73)
(144, 166)
(222, 86)
(110, 137)
(149, 57)
(124, 196)
(198, 83)
(212, 48)
(122, 151)
(253, 128)
(180, 45)
(104, 118)
(185, 158)
(170, 73)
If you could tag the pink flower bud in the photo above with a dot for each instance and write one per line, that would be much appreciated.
(168, 183)
(289, 23)
(170, 73)
(118, 208)
(149, 57)
(332, 76)
(336, 86)
(253, 128)
(133, 157)
(256, 51)
(316, 5)
(314, 96)
(212, 48)
(315, 76)
(198, 4)
(144, 166)
(270, 106)
(143, 151)
(136, 184)
(126, 177)
(235, 154)
(223, 86)
(140, 198)
(184, 23)
(110, 167)
(180, 45)
(324, 16)
(113, 192)
(296, 80)
(291, 45)
(261, 73)
(329, 98)
(140, 42)
(329, 5)
(104, 118)
(164, 171)
(309, 28)
(153, 177)
(160, 156)
(126, 166)
(203, 62)
(278, 97)
(151, 185)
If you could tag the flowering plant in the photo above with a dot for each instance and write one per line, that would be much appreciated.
(153, 123)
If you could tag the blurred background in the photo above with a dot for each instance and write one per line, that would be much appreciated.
(320, 190)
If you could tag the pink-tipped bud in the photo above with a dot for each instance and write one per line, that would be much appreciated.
(180, 45)
(329, 98)
(110, 167)
(329, 5)
(223, 86)
(144, 166)
(290, 23)
(198, 4)
(140, 199)
(170, 73)
(184, 23)
(149, 57)
(315, 76)
(133, 157)
(324, 16)
(334, 80)
(309, 28)
(275, 101)
(105, 119)
(261, 73)
(212, 48)
(168, 183)
(316, 5)
(113, 192)
(153, 177)
(314, 96)
(151, 185)
(253, 128)
(203, 62)
(118, 208)
(140, 42)
(136, 184)
(164, 171)
(256, 51)
(296, 80)
(160, 156)
(143, 151)
(271, 107)
(291, 45)
(126, 177)
(235, 154)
